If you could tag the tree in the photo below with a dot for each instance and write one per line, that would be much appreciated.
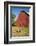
(13, 18)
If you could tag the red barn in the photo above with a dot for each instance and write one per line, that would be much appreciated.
(23, 19)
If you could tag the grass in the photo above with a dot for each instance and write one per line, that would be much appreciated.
(23, 31)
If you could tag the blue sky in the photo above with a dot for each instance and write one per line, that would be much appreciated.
(16, 10)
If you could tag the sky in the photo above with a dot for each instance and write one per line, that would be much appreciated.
(16, 10)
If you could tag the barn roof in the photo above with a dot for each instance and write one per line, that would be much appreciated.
(24, 12)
